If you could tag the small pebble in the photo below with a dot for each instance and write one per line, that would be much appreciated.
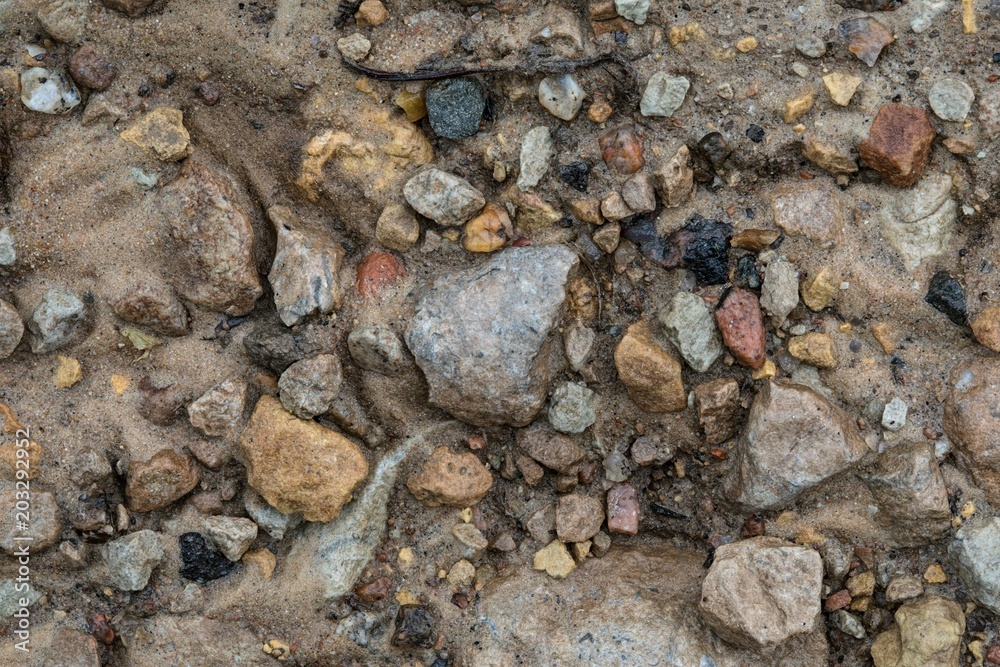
(894, 415)
(561, 96)
(664, 95)
(354, 47)
(951, 99)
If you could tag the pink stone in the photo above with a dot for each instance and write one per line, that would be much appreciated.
(623, 510)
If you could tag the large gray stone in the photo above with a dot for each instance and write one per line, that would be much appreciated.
(976, 552)
(43, 527)
(794, 440)
(305, 268)
(634, 606)
(55, 319)
(481, 335)
(377, 348)
(690, 326)
(761, 592)
(310, 386)
(132, 559)
(11, 594)
(910, 493)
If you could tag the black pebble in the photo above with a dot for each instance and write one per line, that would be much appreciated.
(715, 148)
(576, 175)
(705, 249)
(414, 627)
(748, 273)
(455, 107)
(755, 133)
(946, 295)
(201, 562)
(855, 346)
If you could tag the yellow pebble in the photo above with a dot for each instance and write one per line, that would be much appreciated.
(935, 574)
(746, 45)
(768, 370)
(119, 383)
(405, 597)
(968, 509)
(465, 515)
(405, 556)
(798, 107)
(68, 372)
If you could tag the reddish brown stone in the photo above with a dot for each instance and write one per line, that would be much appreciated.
(209, 93)
(622, 150)
(553, 450)
(838, 600)
(100, 628)
(91, 68)
(376, 590)
(752, 527)
(533, 473)
(742, 326)
(161, 480)
(898, 144)
(623, 510)
(377, 271)
(993, 654)
(718, 403)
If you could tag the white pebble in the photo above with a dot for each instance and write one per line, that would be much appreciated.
(894, 415)
(47, 91)
(664, 95)
(536, 153)
(561, 96)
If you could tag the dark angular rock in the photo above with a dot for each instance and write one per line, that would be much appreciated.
(576, 175)
(702, 246)
(755, 133)
(414, 627)
(748, 273)
(946, 295)
(159, 405)
(201, 562)
(872, 5)
(715, 148)
(455, 107)
(276, 347)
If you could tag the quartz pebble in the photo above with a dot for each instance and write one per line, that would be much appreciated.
(8, 254)
(443, 197)
(664, 95)
(536, 153)
(54, 320)
(633, 10)
(810, 46)
(925, 12)
(561, 96)
(573, 408)
(951, 99)
(48, 91)
(894, 414)
(622, 150)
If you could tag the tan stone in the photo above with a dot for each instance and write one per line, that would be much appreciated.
(489, 230)
(768, 370)
(298, 466)
(928, 633)
(797, 107)
(578, 518)
(935, 574)
(263, 559)
(829, 157)
(461, 574)
(746, 45)
(614, 208)
(886, 336)
(675, 179)
(397, 229)
(811, 209)
(451, 479)
(861, 584)
(161, 132)
(841, 87)
(986, 328)
(68, 372)
(819, 290)
(533, 212)
(651, 375)
(599, 111)
(718, 404)
(371, 13)
(554, 560)
(164, 478)
(587, 210)
(814, 348)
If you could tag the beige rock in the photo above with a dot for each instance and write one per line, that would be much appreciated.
(614, 208)
(718, 404)
(820, 290)
(935, 574)
(490, 230)
(639, 193)
(298, 466)
(829, 157)
(972, 422)
(461, 574)
(747, 44)
(861, 584)
(910, 494)
(220, 410)
(810, 209)
(63, 19)
(164, 478)
(578, 518)
(371, 13)
(797, 107)
(397, 229)
(675, 179)
(161, 132)
(761, 592)
(903, 587)
(771, 468)
(556, 451)
(651, 375)
(886, 335)
(533, 212)
(451, 479)
(587, 210)
(554, 560)
(814, 348)
(68, 372)
(928, 633)
(841, 87)
(263, 559)
(986, 328)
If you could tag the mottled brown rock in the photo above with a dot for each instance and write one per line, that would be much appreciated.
(152, 304)
(986, 328)
(794, 439)
(92, 68)
(838, 600)
(622, 150)
(651, 375)
(927, 633)
(972, 421)
(578, 518)
(131, 8)
(450, 479)
(898, 144)
(553, 450)
(742, 326)
(164, 478)
(213, 454)
(298, 466)
(754, 239)
(623, 509)
(159, 405)
(910, 494)
(652, 450)
(812, 209)
(532, 472)
(829, 157)
(213, 242)
(718, 404)
(761, 592)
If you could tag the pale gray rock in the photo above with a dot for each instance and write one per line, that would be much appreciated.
(894, 414)
(480, 336)
(8, 254)
(231, 536)
(664, 94)
(573, 408)
(918, 223)
(305, 268)
(11, 594)
(536, 153)
(444, 198)
(48, 91)
(55, 319)
(220, 410)
(561, 96)
(310, 386)
(132, 559)
(951, 99)
(377, 348)
(633, 10)
(976, 552)
(274, 523)
(43, 529)
(780, 292)
(910, 493)
(578, 340)
(924, 13)
(11, 329)
(691, 327)
(810, 46)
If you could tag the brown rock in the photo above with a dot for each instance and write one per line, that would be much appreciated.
(898, 144)
(651, 375)
(622, 150)
(623, 510)
(578, 518)
(397, 228)
(910, 493)
(451, 479)
(152, 304)
(213, 242)
(375, 590)
(742, 326)
(718, 404)
(131, 8)
(972, 421)
(159, 405)
(371, 13)
(298, 466)
(532, 472)
(836, 601)
(553, 450)
(866, 38)
(811, 209)
(213, 454)
(814, 348)
(639, 193)
(377, 271)
(44, 525)
(986, 328)
(489, 230)
(587, 210)
(829, 157)
(91, 68)
(754, 239)
(164, 478)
